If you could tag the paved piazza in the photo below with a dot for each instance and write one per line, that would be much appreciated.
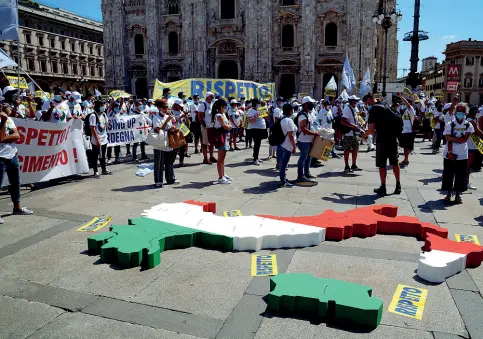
(51, 288)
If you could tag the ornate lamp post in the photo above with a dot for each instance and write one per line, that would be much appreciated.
(386, 19)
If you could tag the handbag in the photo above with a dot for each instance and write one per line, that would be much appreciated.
(158, 140)
(176, 139)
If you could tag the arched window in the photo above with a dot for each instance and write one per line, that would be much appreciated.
(173, 45)
(138, 44)
(287, 36)
(331, 34)
(227, 9)
(173, 6)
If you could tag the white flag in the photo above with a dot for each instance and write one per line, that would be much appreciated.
(97, 93)
(366, 86)
(331, 85)
(348, 78)
(31, 87)
(5, 60)
(344, 96)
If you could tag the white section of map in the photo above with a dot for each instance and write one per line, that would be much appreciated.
(436, 266)
(249, 233)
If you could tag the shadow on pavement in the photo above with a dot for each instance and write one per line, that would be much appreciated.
(269, 172)
(345, 199)
(428, 181)
(195, 185)
(138, 188)
(265, 187)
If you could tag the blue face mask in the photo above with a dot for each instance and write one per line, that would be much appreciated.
(102, 109)
(140, 107)
(116, 109)
(460, 116)
(369, 107)
(57, 97)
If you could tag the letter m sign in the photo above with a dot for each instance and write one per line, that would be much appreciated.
(454, 72)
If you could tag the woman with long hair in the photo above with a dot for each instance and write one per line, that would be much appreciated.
(222, 127)
(258, 130)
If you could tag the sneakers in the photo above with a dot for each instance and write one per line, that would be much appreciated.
(181, 164)
(175, 182)
(404, 163)
(187, 155)
(256, 162)
(310, 176)
(117, 160)
(286, 184)
(335, 156)
(207, 162)
(303, 179)
(458, 200)
(213, 160)
(471, 186)
(347, 169)
(370, 149)
(97, 175)
(381, 191)
(1, 221)
(224, 181)
(106, 172)
(227, 177)
(159, 184)
(354, 168)
(22, 211)
(108, 161)
(232, 149)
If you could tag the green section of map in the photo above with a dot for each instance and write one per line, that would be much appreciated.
(334, 300)
(141, 242)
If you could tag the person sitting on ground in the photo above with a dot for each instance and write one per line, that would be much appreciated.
(381, 120)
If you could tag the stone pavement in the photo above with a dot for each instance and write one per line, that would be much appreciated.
(50, 288)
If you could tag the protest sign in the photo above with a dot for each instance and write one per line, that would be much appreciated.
(220, 87)
(127, 129)
(47, 151)
(13, 81)
(119, 94)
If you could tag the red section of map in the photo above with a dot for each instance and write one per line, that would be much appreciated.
(474, 253)
(207, 206)
(366, 222)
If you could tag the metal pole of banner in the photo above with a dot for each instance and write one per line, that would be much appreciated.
(18, 65)
(45, 93)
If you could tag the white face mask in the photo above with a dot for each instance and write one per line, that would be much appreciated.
(102, 109)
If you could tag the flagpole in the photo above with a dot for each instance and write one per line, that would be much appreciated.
(20, 68)
(19, 63)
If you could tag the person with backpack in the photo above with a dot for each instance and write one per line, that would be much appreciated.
(98, 124)
(305, 123)
(349, 126)
(455, 165)
(388, 124)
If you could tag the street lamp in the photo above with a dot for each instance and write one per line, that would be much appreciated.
(386, 19)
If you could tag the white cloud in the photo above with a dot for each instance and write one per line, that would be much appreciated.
(448, 37)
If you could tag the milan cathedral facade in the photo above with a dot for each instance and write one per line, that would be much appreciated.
(298, 44)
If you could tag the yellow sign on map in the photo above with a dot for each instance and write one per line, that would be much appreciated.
(409, 301)
(95, 224)
(264, 265)
(236, 213)
(184, 129)
(13, 81)
(467, 238)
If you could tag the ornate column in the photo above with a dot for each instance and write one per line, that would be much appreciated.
(153, 41)
(307, 73)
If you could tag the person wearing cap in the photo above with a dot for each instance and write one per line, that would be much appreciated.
(179, 118)
(195, 122)
(381, 120)
(204, 116)
(455, 165)
(472, 149)
(305, 138)
(406, 140)
(234, 115)
(258, 130)
(150, 109)
(73, 102)
(55, 111)
(351, 139)
(9, 162)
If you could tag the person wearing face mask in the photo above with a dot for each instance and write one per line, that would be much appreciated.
(180, 118)
(55, 111)
(195, 122)
(455, 154)
(73, 102)
(438, 128)
(406, 140)
(258, 130)
(137, 108)
(112, 112)
(99, 124)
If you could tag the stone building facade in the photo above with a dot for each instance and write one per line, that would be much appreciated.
(298, 44)
(57, 49)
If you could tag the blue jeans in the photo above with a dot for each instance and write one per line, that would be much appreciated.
(304, 160)
(439, 138)
(283, 157)
(12, 168)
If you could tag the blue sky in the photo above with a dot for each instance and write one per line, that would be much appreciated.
(445, 20)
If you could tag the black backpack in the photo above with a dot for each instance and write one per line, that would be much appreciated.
(87, 126)
(277, 137)
(396, 123)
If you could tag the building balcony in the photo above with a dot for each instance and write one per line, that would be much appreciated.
(288, 50)
(227, 25)
(172, 56)
(327, 50)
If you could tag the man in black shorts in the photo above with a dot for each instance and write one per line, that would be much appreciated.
(381, 121)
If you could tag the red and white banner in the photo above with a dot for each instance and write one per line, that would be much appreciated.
(452, 86)
(47, 151)
(454, 73)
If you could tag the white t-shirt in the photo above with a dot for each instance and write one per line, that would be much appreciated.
(460, 150)
(288, 125)
(309, 125)
(325, 118)
(217, 123)
(101, 127)
(235, 114)
(206, 107)
(259, 122)
(438, 115)
(177, 115)
(8, 149)
(449, 118)
(408, 120)
(60, 113)
(21, 112)
(347, 113)
(193, 111)
(74, 109)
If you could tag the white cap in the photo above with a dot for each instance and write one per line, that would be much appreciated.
(23, 95)
(77, 97)
(69, 93)
(210, 94)
(308, 99)
(178, 102)
(447, 106)
(150, 101)
(295, 104)
(8, 89)
(354, 97)
(233, 102)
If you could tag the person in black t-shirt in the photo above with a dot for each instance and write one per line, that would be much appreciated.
(387, 145)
